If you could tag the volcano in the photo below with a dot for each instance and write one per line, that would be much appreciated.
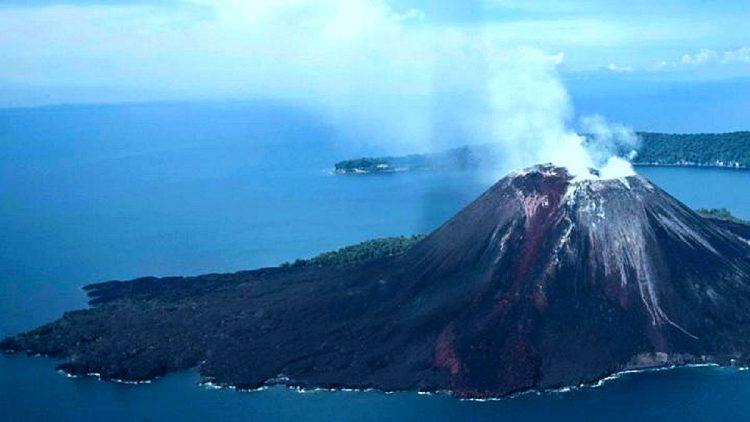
(542, 282)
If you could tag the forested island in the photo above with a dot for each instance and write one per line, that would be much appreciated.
(363, 251)
(730, 150)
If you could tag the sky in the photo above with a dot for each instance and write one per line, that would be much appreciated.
(375, 61)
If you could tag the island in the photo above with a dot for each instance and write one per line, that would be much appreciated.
(728, 150)
(543, 282)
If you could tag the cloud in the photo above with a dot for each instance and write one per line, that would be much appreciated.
(619, 69)
(708, 56)
(170, 45)
(45, 3)
(705, 59)
(740, 55)
(703, 56)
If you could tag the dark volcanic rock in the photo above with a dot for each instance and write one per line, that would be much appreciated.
(541, 282)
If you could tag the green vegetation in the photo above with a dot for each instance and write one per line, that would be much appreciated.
(364, 251)
(712, 150)
(721, 214)
(703, 149)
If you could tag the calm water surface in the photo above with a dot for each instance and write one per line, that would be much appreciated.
(96, 193)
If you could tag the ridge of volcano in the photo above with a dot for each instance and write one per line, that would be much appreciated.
(544, 281)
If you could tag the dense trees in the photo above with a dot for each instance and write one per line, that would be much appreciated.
(364, 251)
(724, 149)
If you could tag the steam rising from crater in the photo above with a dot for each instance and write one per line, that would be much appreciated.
(531, 115)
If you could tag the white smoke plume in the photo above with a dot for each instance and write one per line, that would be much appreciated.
(380, 74)
(610, 145)
(530, 116)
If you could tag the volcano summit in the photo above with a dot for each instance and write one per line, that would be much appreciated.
(542, 282)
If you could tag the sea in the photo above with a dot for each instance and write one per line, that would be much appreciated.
(90, 193)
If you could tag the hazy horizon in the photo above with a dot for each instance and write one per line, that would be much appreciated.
(401, 67)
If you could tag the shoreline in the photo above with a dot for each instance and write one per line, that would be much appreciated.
(279, 382)
(449, 393)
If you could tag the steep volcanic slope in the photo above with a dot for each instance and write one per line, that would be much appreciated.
(564, 282)
(541, 282)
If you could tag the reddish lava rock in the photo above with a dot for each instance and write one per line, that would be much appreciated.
(541, 282)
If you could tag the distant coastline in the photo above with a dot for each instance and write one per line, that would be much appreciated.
(705, 165)
(712, 150)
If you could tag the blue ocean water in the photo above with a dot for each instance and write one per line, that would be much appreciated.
(92, 193)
